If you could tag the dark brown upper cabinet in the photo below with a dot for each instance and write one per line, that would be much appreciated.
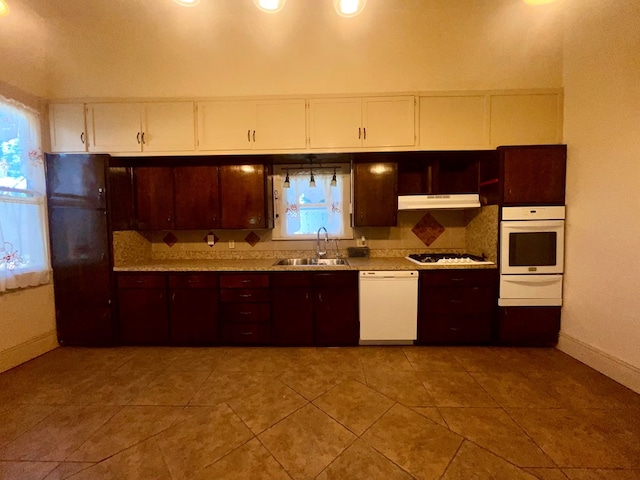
(524, 175)
(244, 197)
(375, 194)
(183, 198)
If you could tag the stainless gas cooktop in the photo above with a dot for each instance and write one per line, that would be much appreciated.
(447, 258)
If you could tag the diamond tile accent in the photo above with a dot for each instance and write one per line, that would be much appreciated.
(252, 239)
(428, 229)
(170, 239)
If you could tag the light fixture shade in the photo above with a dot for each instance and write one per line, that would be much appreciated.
(287, 183)
(270, 6)
(187, 3)
(4, 8)
(312, 181)
(334, 180)
(349, 8)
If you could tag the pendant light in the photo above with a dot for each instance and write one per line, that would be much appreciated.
(4, 8)
(312, 180)
(270, 6)
(185, 3)
(349, 8)
(334, 180)
(287, 183)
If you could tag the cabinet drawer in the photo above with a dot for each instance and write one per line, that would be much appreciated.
(193, 281)
(467, 300)
(246, 333)
(141, 281)
(245, 280)
(244, 295)
(245, 312)
(458, 278)
(455, 329)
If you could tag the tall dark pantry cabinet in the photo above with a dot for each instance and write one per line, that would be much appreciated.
(80, 242)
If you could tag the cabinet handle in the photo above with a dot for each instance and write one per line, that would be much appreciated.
(248, 135)
(320, 296)
(169, 219)
(245, 281)
(244, 313)
(246, 333)
(455, 329)
(173, 297)
(457, 279)
(456, 301)
(359, 133)
(254, 136)
(143, 142)
(138, 138)
(364, 130)
(245, 295)
(82, 137)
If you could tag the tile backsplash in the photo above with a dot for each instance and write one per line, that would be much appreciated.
(475, 232)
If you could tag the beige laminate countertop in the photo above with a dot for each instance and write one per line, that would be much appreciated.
(267, 265)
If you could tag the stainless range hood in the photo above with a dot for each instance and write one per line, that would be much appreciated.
(442, 202)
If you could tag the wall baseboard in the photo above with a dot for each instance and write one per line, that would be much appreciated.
(612, 367)
(14, 356)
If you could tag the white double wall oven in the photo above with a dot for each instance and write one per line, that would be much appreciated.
(531, 256)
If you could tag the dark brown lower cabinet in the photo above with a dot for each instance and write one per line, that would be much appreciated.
(292, 308)
(336, 313)
(143, 316)
(528, 326)
(193, 309)
(245, 313)
(456, 306)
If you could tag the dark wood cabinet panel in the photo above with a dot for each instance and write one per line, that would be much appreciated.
(292, 316)
(336, 320)
(375, 194)
(245, 295)
(525, 175)
(193, 309)
(456, 306)
(245, 312)
(121, 198)
(154, 198)
(246, 333)
(143, 316)
(197, 204)
(243, 197)
(244, 280)
(528, 326)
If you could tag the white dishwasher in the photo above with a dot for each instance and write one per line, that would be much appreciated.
(388, 307)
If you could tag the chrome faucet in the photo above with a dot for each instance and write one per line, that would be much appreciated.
(321, 252)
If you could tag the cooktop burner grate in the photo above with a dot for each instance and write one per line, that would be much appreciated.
(459, 258)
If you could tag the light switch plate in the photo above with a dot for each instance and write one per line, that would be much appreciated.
(232, 244)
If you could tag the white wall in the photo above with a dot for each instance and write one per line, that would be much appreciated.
(27, 317)
(148, 48)
(601, 315)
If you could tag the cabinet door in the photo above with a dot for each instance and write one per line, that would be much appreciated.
(225, 125)
(534, 175)
(242, 196)
(336, 309)
(67, 127)
(142, 309)
(154, 198)
(168, 127)
(375, 195)
(197, 204)
(280, 125)
(292, 308)
(526, 119)
(454, 122)
(114, 127)
(193, 314)
(388, 121)
(335, 123)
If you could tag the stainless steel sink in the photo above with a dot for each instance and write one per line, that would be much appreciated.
(312, 262)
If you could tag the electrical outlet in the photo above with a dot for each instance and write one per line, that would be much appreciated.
(232, 244)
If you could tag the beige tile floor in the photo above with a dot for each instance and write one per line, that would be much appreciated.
(351, 413)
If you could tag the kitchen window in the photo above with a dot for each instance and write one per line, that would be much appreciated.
(301, 207)
(24, 258)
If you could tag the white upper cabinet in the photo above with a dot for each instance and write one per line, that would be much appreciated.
(141, 127)
(252, 125)
(362, 122)
(526, 119)
(452, 122)
(67, 127)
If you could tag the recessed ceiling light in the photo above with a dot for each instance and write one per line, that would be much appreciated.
(349, 8)
(187, 3)
(4, 8)
(270, 6)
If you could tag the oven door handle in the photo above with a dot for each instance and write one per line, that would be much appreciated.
(531, 281)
